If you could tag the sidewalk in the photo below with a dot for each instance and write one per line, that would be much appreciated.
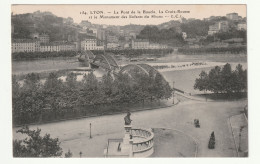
(239, 123)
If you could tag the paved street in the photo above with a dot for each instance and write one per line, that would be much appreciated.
(213, 116)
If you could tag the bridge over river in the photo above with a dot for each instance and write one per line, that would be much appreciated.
(108, 62)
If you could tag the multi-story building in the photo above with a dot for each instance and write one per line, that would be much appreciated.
(232, 16)
(100, 47)
(68, 47)
(112, 39)
(49, 47)
(241, 26)
(101, 35)
(24, 45)
(89, 44)
(217, 27)
(57, 46)
(34, 45)
(140, 44)
(44, 38)
(223, 26)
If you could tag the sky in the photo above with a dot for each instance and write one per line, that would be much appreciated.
(88, 12)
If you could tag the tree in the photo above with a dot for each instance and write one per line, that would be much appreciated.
(202, 82)
(240, 78)
(227, 78)
(53, 93)
(90, 81)
(71, 80)
(215, 84)
(107, 84)
(32, 82)
(35, 145)
(162, 90)
(223, 80)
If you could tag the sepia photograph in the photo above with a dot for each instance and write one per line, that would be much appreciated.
(129, 81)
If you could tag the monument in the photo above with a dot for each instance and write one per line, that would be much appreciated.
(137, 142)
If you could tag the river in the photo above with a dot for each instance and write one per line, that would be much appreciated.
(41, 65)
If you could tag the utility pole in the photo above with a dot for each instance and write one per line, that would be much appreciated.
(90, 131)
(173, 92)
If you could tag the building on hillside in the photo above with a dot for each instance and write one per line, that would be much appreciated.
(232, 16)
(44, 38)
(89, 44)
(217, 27)
(94, 30)
(25, 45)
(241, 26)
(112, 39)
(184, 35)
(100, 45)
(101, 34)
(140, 44)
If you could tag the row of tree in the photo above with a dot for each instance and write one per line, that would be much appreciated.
(223, 80)
(215, 50)
(36, 55)
(35, 101)
(135, 52)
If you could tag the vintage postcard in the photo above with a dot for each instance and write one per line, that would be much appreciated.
(129, 81)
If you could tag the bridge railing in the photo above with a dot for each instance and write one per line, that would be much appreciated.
(144, 146)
